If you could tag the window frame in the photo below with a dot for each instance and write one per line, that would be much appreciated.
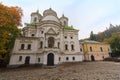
(22, 46)
(29, 46)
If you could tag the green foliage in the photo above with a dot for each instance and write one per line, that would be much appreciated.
(30, 24)
(92, 36)
(114, 42)
(69, 28)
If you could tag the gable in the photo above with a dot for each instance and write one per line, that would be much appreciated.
(51, 31)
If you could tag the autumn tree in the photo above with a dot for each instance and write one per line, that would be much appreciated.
(10, 19)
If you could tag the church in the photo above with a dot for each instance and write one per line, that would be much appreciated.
(47, 40)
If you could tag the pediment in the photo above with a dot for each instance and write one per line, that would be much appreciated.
(51, 31)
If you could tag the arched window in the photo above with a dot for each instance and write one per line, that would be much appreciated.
(29, 46)
(65, 23)
(41, 44)
(59, 58)
(72, 47)
(81, 49)
(35, 19)
(20, 58)
(22, 46)
(73, 58)
(66, 47)
(50, 42)
(42, 32)
(91, 49)
(38, 59)
(58, 44)
(101, 49)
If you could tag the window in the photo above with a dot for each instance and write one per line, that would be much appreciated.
(65, 37)
(39, 20)
(42, 32)
(108, 49)
(32, 35)
(81, 49)
(72, 47)
(73, 58)
(35, 19)
(64, 22)
(101, 49)
(59, 58)
(61, 23)
(38, 59)
(58, 44)
(67, 58)
(91, 49)
(22, 46)
(20, 58)
(29, 46)
(51, 42)
(41, 44)
(66, 47)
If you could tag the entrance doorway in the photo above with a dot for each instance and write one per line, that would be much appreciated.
(27, 60)
(92, 58)
(50, 59)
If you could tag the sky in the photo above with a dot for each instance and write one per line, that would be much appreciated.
(84, 15)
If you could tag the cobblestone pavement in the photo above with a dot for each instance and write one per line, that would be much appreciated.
(69, 71)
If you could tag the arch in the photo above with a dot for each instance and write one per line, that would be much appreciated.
(27, 60)
(35, 19)
(92, 58)
(66, 47)
(72, 47)
(41, 44)
(51, 42)
(50, 59)
(65, 23)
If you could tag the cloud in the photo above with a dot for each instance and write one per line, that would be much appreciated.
(85, 15)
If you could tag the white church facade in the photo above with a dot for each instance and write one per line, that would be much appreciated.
(47, 40)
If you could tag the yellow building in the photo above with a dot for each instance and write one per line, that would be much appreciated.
(94, 50)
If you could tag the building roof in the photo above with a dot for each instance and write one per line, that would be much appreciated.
(49, 12)
(50, 18)
(90, 41)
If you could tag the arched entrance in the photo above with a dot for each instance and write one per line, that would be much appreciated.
(50, 59)
(92, 58)
(27, 60)
(50, 42)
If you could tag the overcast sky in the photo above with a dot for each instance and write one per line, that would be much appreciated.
(85, 15)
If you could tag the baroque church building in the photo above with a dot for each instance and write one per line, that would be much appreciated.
(47, 40)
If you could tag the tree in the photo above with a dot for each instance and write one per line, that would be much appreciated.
(92, 36)
(115, 43)
(10, 19)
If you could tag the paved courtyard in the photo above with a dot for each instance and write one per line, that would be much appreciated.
(69, 71)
